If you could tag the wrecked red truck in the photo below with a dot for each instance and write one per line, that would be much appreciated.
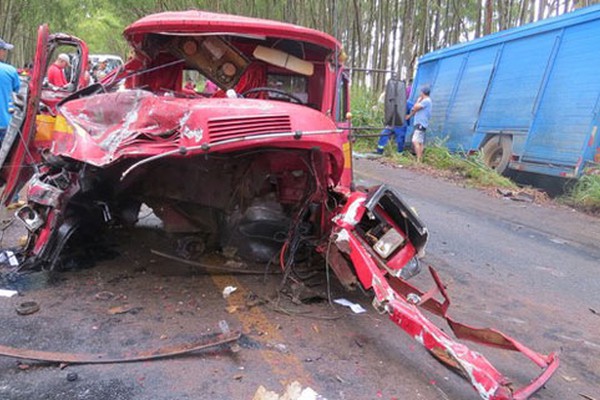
(264, 162)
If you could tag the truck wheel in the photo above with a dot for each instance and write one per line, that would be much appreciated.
(497, 152)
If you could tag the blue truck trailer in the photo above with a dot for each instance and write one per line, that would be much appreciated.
(527, 97)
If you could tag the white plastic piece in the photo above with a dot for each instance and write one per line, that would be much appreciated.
(356, 308)
(284, 60)
(8, 293)
(228, 290)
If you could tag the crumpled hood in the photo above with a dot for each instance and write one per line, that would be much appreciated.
(105, 127)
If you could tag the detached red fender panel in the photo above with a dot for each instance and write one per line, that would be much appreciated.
(401, 301)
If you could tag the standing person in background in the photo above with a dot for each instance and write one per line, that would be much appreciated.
(190, 85)
(422, 113)
(26, 70)
(56, 76)
(209, 88)
(101, 71)
(9, 83)
(399, 132)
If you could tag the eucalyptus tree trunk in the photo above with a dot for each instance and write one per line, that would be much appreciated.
(407, 38)
(478, 23)
(489, 12)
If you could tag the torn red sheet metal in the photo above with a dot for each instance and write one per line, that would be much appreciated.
(400, 301)
(206, 342)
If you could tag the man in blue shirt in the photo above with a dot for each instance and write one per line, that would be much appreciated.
(9, 83)
(422, 113)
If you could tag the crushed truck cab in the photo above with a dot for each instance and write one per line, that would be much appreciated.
(264, 162)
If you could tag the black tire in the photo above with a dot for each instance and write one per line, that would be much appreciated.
(497, 152)
(395, 103)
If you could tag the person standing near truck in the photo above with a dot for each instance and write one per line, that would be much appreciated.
(398, 131)
(9, 83)
(422, 113)
(56, 75)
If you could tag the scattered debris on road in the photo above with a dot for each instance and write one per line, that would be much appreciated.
(293, 391)
(228, 291)
(8, 293)
(355, 307)
(520, 195)
(72, 376)
(9, 258)
(27, 308)
(228, 267)
(205, 342)
(124, 309)
(104, 295)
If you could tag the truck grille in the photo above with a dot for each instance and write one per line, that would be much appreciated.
(230, 128)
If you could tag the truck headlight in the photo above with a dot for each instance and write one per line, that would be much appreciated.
(388, 243)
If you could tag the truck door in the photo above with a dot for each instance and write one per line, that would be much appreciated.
(342, 109)
(35, 108)
(463, 110)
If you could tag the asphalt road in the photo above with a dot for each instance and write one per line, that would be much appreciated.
(528, 270)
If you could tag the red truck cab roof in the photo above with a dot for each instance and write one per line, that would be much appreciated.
(198, 22)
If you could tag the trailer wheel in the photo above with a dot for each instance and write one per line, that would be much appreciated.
(497, 152)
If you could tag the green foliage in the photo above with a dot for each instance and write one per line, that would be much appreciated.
(585, 194)
(99, 32)
(366, 112)
(364, 145)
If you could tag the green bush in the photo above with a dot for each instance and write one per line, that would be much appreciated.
(366, 111)
(585, 194)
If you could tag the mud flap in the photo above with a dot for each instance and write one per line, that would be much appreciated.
(401, 301)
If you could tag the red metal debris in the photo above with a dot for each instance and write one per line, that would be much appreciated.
(400, 300)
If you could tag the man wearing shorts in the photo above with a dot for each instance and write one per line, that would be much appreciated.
(422, 112)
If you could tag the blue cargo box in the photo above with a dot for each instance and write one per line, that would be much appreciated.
(528, 97)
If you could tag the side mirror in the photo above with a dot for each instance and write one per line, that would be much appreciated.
(395, 103)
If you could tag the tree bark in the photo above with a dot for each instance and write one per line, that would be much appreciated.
(489, 12)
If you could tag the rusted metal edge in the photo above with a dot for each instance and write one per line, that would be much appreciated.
(216, 268)
(205, 342)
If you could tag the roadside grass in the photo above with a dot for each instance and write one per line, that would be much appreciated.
(365, 145)
(585, 194)
(470, 167)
